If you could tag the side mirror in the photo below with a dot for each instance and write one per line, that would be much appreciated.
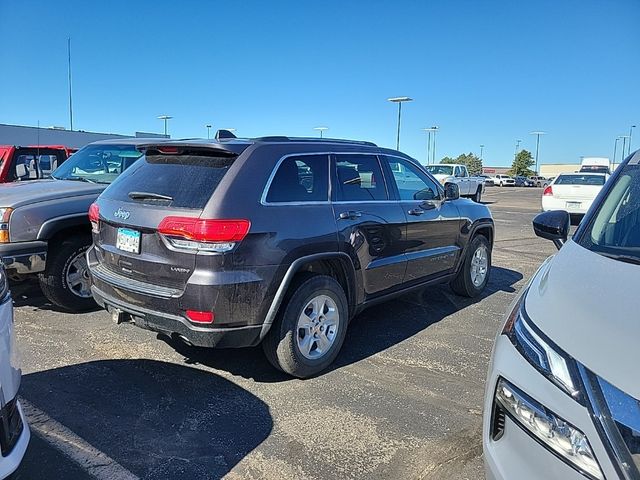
(21, 170)
(553, 225)
(451, 191)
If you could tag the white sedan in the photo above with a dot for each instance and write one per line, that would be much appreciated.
(573, 192)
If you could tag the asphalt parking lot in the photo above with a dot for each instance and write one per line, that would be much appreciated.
(404, 399)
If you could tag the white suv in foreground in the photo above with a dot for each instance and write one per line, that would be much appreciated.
(563, 390)
(14, 432)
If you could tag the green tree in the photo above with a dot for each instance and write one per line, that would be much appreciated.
(472, 162)
(521, 164)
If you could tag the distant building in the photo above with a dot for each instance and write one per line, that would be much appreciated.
(495, 170)
(23, 135)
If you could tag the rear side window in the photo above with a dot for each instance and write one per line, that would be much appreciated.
(303, 178)
(181, 181)
(359, 178)
(597, 180)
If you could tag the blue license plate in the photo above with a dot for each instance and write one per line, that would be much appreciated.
(128, 240)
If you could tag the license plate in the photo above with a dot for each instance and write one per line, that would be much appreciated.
(573, 204)
(128, 240)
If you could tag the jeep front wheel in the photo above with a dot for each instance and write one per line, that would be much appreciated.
(310, 328)
(476, 266)
(65, 281)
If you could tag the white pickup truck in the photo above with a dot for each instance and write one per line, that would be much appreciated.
(472, 187)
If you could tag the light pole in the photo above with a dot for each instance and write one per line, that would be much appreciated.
(208, 131)
(615, 149)
(399, 101)
(630, 138)
(429, 130)
(481, 150)
(624, 145)
(321, 130)
(433, 152)
(537, 134)
(166, 118)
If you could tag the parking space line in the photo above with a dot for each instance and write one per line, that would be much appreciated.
(93, 461)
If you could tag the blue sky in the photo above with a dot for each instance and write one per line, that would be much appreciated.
(485, 72)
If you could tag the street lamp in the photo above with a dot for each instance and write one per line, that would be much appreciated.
(429, 130)
(615, 149)
(165, 118)
(321, 130)
(537, 134)
(208, 131)
(481, 150)
(399, 101)
(630, 137)
(433, 152)
(624, 145)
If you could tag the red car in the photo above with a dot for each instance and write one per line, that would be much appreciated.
(30, 163)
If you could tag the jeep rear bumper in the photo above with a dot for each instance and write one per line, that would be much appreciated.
(24, 257)
(176, 326)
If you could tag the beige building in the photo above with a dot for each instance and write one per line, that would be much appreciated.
(554, 169)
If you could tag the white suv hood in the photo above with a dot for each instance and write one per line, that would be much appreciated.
(588, 305)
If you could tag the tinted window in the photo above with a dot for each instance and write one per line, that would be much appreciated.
(359, 178)
(301, 179)
(580, 180)
(188, 181)
(412, 183)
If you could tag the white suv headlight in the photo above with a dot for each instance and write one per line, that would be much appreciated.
(542, 353)
(551, 430)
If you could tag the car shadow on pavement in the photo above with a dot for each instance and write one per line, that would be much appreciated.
(370, 332)
(158, 420)
(27, 293)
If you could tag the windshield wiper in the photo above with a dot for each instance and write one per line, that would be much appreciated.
(77, 179)
(149, 195)
(622, 258)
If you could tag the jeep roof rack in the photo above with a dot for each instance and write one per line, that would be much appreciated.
(282, 138)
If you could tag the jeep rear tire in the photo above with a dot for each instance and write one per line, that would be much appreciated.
(310, 327)
(65, 281)
(474, 273)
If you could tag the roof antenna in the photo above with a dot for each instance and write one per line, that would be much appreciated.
(224, 134)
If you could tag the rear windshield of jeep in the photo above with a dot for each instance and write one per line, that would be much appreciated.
(173, 180)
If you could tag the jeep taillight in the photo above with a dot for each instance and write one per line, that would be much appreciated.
(5, 216)
(94, 217)
(201, 234)
(548, 191)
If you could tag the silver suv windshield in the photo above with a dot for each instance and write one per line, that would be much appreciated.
(97, 163)
(615, 229)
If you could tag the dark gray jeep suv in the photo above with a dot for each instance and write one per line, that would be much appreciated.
(277, 240)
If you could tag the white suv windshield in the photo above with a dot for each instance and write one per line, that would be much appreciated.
(615, 228)
(97, 163)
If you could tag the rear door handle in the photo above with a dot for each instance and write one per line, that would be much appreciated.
(350, 215)
(416, 211)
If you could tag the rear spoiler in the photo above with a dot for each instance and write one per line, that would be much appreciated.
(194, 147)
